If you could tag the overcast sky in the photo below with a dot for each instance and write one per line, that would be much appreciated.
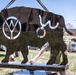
(66, 8)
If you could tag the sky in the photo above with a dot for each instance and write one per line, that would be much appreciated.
(66, 8)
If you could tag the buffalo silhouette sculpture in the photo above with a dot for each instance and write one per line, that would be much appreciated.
(33, 27)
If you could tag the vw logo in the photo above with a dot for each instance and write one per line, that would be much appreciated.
(11, 28)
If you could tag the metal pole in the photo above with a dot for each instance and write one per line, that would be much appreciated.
(43, 6)
(9, 4)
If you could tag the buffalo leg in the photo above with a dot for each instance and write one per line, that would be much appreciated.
(53, 57)
(25, 54)
(8, 53)
(65, 59)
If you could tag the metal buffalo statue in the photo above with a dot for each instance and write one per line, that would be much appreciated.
(23, 26)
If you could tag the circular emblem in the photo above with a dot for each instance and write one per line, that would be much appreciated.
(11, 28)
(41, 29)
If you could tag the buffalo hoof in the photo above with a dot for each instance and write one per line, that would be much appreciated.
(63, 63)
(4, 61)
(24, 61)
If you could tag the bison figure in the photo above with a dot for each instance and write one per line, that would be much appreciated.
(33, 23)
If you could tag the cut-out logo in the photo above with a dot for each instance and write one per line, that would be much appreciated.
(44, 25)
(11, 28)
